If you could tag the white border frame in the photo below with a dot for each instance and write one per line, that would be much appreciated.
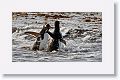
(104, 67)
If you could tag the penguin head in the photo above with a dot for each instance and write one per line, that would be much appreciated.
(48, 26)
(57, 25)
(45, 28)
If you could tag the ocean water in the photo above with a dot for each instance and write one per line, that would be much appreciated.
(83, 43)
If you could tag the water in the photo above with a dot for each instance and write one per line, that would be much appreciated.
(84, 43)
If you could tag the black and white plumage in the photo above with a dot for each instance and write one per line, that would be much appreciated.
(45, 40)
(42, 40)
(57, 38)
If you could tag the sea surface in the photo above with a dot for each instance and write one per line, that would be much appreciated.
(82, 32)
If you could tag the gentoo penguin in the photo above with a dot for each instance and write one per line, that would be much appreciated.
(57, 38)
(42, 39)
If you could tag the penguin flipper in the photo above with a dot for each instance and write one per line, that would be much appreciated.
(63, 41)
(35, 47)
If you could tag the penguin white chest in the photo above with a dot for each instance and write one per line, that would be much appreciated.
(44, 42)
(61, 45)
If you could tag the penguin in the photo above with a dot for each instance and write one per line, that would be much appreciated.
(42, 39)
(56, 38)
